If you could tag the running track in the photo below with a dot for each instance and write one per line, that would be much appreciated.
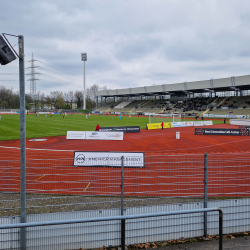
(173, 167)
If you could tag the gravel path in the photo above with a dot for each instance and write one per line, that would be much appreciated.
(42, 203)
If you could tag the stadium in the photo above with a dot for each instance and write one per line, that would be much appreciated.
(189, 171)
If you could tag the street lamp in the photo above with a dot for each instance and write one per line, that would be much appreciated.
(84, 58)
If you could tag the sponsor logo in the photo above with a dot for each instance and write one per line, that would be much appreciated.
(94, 133)
(199, 131)
(80, 158)
(113, 135)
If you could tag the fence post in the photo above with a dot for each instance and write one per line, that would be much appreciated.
(22, 144)
(122, 209)
(122, 175)
(205, 194)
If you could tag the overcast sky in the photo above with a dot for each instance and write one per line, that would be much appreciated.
(130, 43)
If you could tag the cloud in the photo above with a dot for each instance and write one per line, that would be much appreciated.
(130, 43)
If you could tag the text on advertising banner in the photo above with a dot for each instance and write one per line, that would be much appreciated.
(203, 123)
(108, 159)
(182, 124)
(167, 125)
(154, 126)
(96, 135)
(128, 129)
(158, 125)
(218, 131)
(76, 135)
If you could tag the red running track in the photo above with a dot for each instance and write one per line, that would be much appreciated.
(179, 172)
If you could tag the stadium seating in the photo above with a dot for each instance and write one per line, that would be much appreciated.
(122, 104)
(238, 105)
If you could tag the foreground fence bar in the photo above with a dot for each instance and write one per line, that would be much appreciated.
(205, 194)
(122, 218)
(122, 205)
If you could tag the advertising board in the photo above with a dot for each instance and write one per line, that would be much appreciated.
(158, 125)
(226, 116)
(202, 123)
(108, 159)
(154, 126)
(218, 131)
(76, 135)
(182, 124)
(96, 135)
(177, 124)
(129, 129)
(167, 125)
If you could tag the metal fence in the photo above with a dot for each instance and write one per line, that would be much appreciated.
(72, 242)
(56, 187)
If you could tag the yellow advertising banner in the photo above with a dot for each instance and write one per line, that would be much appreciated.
(154, 126)
(158, 125)
(167, 125)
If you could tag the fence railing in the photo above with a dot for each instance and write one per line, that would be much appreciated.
(123, 219)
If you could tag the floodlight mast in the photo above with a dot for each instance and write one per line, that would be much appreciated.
(84, 58)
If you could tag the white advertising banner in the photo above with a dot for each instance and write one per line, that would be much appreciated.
(189, 124)
(208, 123)
(203, 123)
(96, 135)
(76, 135)
(178, 124)
(226, 116)
(182, 124)
(208, 115)
(109, 159)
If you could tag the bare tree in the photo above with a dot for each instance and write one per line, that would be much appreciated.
(71, 98)
(59, 100)
(66, 98)
(79, 98)
(49, 101)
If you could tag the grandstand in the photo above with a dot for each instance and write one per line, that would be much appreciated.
(215, 96)
(198, 105)
(137, 106)
(234, 105)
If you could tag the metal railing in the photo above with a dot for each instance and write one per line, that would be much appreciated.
(123, 219)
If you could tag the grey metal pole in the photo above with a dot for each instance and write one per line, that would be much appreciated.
(220, 229)
(122, 207)
(22, 143)
(84, 92)
(122, 176)
(205, 194)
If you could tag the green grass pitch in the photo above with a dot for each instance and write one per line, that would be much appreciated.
(42, 126)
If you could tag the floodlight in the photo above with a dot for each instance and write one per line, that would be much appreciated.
(6, 54)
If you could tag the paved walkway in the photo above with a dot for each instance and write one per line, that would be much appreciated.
(241, 243)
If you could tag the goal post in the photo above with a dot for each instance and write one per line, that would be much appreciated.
(159, 118)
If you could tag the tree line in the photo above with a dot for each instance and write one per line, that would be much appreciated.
(56, 99)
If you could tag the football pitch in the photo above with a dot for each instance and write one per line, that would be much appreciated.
(44, 126)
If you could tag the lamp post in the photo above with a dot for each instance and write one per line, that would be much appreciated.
(84, 58)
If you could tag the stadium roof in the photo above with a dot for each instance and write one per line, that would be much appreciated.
(217, 85)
